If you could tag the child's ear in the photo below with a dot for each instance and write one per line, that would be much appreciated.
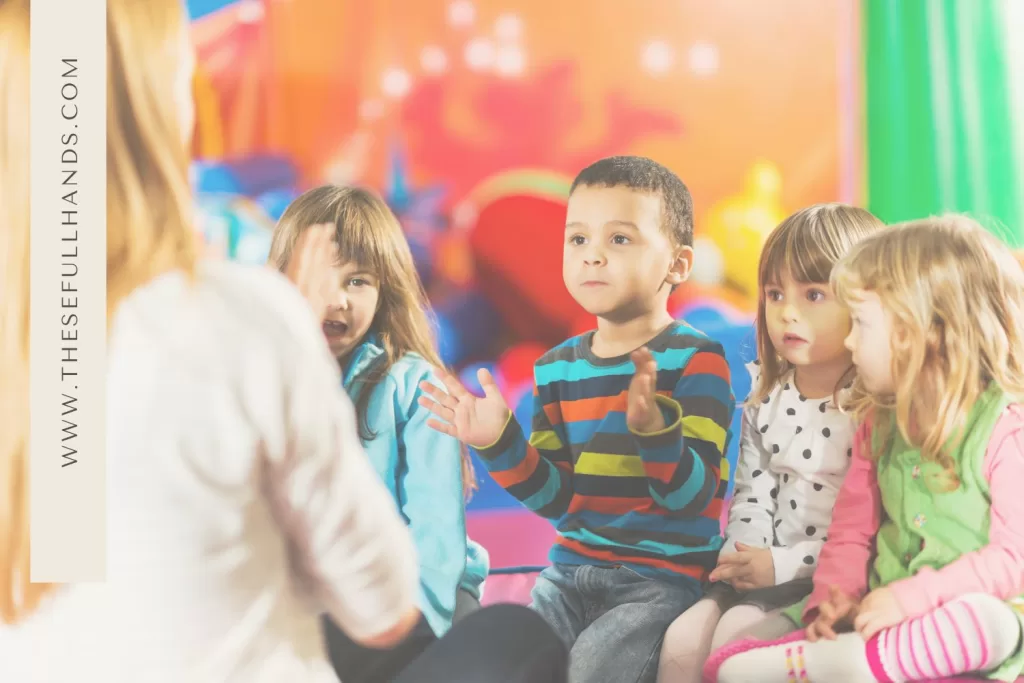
(682, 264)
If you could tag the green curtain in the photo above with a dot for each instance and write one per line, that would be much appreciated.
(940, 123)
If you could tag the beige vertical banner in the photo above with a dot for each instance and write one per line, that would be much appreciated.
(68, 291)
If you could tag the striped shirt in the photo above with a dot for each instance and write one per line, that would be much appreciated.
(650, 502)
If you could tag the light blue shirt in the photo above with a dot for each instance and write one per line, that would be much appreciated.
(423, 470)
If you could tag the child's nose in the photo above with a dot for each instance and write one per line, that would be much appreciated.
(594, 256)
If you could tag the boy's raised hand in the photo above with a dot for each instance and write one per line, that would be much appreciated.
(311, 267)
(476, 422)
(642, 412)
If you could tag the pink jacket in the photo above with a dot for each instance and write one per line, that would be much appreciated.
(997, 569)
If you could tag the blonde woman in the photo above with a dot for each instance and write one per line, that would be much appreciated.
(241, 504)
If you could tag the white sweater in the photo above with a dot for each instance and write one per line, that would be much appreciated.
(241, 504)
(794, 453)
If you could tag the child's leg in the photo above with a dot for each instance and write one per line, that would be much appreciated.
(623, 643)
(743, 621)
(975, 633)
(465, 604)
(688, 642)
(556, 598)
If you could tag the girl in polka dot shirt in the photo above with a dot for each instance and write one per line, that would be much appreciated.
(795, 443)
(921, 578)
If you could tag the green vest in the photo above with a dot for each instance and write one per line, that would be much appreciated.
(926, 523)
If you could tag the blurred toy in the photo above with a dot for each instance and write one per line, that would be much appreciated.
(275, 202)
(516, 241)
(249, 176)
(235, 228)
(466, 325)
(738, 226)
(419, 210)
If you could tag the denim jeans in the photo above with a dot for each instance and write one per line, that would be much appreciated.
(612, 619)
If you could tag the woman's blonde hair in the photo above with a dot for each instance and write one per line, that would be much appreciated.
(805, 246)
(148, 223)
(956, 297)
(368, 233)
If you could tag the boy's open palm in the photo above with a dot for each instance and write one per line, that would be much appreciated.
(642, 412)
(476, 422)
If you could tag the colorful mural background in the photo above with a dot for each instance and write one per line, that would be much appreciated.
(472, 116)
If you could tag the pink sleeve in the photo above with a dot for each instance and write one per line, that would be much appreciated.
(998, 568)
(856, 516)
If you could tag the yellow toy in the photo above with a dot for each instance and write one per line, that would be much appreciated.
(737, 227)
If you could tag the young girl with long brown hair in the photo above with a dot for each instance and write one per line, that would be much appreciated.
(377, 326)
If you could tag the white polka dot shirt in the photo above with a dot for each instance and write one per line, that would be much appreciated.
(794, 453)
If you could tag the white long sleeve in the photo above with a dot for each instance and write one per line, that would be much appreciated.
(241, 505)
(345, 532)
(755, 492)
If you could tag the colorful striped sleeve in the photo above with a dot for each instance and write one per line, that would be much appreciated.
(537, 472)
(683, 462)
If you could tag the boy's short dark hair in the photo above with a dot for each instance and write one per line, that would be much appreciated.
(646, 175)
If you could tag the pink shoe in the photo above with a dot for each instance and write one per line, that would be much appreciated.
(718, 657)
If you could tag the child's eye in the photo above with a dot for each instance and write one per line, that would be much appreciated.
(577, 240)
(815, 295)
(620, 239)
(357, 282)
(773, 295)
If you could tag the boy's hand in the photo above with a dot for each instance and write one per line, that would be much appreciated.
(839, 610)
(476, 422)
(746, 569)
(878, 610)
(311, 267)
(642, 412)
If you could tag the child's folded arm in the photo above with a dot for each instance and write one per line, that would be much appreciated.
(752, 511)
(537, 472)
(683, 461)
(996, 569)
(845, 557)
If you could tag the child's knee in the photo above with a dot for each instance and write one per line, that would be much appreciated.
(687, 641)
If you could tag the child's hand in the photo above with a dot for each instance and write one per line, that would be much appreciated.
(311, 267)
(878, 610)
(476, 422)
(839, 609)
(642, 412)
(746, 569)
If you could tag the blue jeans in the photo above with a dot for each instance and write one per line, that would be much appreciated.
(612, 619)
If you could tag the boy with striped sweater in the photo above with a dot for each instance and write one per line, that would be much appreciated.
(630, 427)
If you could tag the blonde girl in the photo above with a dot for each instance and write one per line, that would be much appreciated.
(926, 549)
(793, 444)
(377, 327)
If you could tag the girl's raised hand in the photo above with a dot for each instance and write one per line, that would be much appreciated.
(476, 422)
(311, 267)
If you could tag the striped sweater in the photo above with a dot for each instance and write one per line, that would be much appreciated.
(649, 502)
